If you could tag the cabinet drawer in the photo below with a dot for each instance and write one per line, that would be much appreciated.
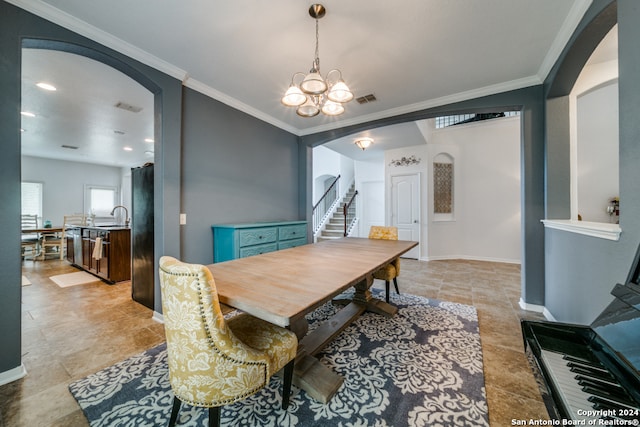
(257, 236)
(292, 243)
(292, 232)
(258, 249)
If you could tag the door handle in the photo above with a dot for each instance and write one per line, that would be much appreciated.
(415, 221)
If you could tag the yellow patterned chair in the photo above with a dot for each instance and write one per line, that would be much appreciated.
(392, 270)
(212, 361)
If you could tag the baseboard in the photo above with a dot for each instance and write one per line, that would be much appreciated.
(158, 317)
(548, 315)
(12, 375)
(470, 258)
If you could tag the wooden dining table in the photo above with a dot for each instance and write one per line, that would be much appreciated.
(282, 287)
(46, 230)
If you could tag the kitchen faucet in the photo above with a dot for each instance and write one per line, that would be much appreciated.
(126, 214)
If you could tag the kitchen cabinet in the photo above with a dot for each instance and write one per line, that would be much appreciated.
(231, 241)
(113, 263)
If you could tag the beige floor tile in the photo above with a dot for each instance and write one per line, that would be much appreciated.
(69, 333)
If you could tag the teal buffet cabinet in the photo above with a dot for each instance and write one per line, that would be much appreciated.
(231, 241)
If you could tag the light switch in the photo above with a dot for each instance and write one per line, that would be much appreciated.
(183, 219)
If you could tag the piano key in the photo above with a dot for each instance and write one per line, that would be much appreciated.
(592, 373)
(574, 399)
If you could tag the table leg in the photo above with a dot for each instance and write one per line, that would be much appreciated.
(363, 296)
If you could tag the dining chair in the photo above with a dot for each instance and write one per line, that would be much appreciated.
(392, 270)
(58, 240)
(215, 361)
(30, 241)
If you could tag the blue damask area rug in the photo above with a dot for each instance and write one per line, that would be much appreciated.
(423, 367)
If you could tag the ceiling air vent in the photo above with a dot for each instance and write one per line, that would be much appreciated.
(366, 99)
(128, 107)
(70, 147)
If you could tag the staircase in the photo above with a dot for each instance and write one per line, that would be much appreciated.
(334, 228)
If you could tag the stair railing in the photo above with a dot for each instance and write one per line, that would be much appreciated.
(323, 206)
(349, 210)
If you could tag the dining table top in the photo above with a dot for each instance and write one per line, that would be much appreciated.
(56, 229)
(282, 286)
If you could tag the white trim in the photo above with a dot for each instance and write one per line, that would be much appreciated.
(437, 102)
(548, 315)
(531, 307)
(601, 230)
(72, 23)
(158, 317)
(12, 374)
(537, 309)
(241, 106)
(569, 25)
(470, 258)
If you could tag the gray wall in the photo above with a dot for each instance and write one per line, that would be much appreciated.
(237, 169)
(581, 270)
(20, 29)
(64, 184)
(212, 132)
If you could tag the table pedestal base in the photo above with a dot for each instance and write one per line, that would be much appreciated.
(320, 382)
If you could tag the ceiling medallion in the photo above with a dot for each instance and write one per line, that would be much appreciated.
(311, 93)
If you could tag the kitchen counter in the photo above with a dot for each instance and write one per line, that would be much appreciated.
(111, 261)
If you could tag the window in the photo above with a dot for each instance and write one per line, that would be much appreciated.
(443, 187)
(32, 198)
(445, 121)
(99, 200)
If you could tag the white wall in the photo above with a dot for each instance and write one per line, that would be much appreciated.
(486, 223)
(486, 220)
(327, 162)
(64, 183)
(593, 105)
(369, 179)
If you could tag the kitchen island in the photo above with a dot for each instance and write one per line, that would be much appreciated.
(110, 260)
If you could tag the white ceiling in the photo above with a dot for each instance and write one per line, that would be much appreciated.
(411, 55)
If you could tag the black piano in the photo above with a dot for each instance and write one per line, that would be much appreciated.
(591, 374)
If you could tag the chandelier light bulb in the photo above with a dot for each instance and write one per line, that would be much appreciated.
(293, 97)
(340, 92)
(331, 108)
(313, 84)
(308, 109)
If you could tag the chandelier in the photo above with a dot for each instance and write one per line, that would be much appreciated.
(310, 93)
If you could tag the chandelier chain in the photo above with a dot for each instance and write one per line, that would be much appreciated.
(316, 61)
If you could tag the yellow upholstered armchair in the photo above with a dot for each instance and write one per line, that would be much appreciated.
(215, 361)
(392, 270)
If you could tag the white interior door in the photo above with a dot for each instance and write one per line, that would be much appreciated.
(405, 209)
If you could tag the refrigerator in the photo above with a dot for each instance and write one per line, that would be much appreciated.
(142, 282)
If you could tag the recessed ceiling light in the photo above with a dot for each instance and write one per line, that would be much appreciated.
(27, 114)
(46, 86)
(128, 149)
(148, 140)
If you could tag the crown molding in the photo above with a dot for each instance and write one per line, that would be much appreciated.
(76, 25)
(437, 102)
(577, 11)
(238, 105)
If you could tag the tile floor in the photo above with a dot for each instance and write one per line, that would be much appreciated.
(69, 333)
